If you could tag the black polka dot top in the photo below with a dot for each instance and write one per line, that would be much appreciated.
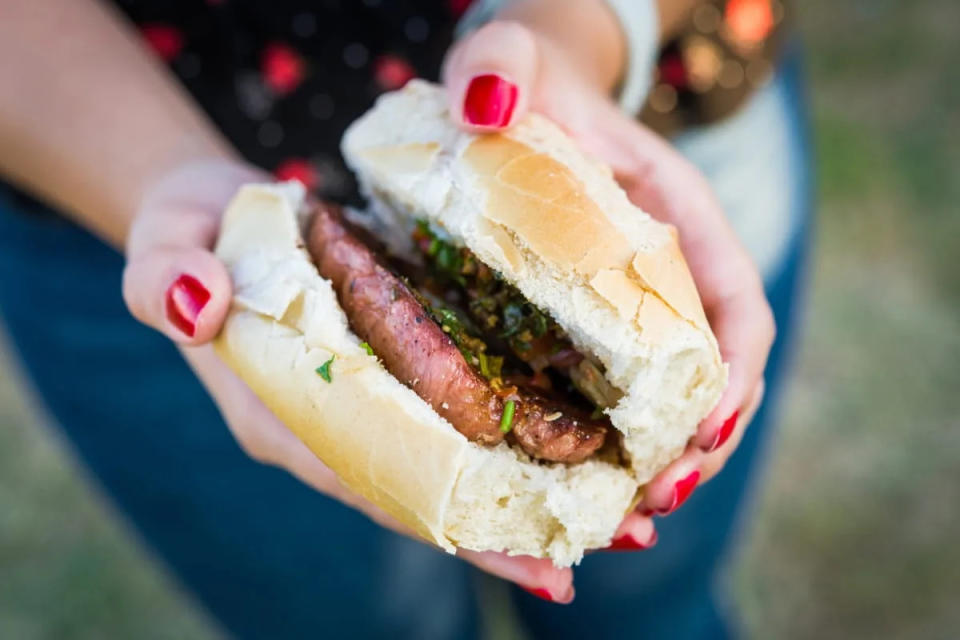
(284, 78)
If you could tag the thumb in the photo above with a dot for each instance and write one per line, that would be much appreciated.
(172, 282)
(490, 75)
(183, 292)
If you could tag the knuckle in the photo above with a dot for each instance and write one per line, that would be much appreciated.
(511, 31)
(254, 444)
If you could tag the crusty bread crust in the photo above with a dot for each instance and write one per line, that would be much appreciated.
(381, 439)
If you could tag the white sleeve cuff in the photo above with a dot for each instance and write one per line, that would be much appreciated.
(479, 13)
(639, 21)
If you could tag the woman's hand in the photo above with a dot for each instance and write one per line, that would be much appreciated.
(506, 68)
(174, 283)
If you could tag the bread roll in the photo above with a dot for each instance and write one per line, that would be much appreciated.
(557, 226)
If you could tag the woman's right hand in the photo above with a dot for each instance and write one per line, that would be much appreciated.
(174, 283)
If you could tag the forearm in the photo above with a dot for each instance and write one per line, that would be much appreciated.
(87, 118)
(589, 34)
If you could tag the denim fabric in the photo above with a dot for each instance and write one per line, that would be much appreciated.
(268, 557)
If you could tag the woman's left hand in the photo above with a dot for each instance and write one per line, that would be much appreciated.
(507, 68)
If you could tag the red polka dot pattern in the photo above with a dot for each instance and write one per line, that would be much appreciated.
(392, 72)
(282, 67)
(166, 41)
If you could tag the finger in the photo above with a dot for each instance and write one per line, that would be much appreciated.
(172, 282)
(258, 432)
(673, 486)
(668, 187)
(663, 183)
(537, 576)
(183, 292)
(490, 75)
(636, 533)
(744, 327)
(715, 461)
(265, 439)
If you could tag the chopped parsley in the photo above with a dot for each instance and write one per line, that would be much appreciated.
(506, 420)
(488, 309)
(324, 370)
(366, 347)
(494, 305)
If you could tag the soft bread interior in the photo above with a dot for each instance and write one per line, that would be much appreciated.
(556, 225)
(381, 439)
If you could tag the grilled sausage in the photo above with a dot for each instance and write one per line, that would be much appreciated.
(384, 312)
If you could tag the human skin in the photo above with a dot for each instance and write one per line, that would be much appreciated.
(96, 127)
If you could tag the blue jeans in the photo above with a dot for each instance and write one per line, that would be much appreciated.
(270, 558)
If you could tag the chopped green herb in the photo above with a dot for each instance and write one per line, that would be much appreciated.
(512, 319)
(506, 420)
(366, 347)
(484, 366)
(487, 307)
(449, 317)
(597, 413)
(324, 369)
(539, 323)
(495, 363)
(446, 255)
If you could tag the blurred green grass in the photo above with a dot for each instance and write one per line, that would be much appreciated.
(68, 567)
(855, 534)
(857, 528)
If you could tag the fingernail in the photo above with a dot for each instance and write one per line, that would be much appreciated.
(725, 430)
(629, 543)
(682, 491)
(489, 101)
(186, 298)
(544, 594)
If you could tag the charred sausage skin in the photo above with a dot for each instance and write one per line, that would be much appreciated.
(385, 313)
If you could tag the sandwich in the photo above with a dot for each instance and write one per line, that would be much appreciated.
(499, 351)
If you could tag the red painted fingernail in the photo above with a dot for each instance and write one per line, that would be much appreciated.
(490, 101)
(629, 543)
(186, 298)
(682, 491)
(540, 592)
(544, 594)
(725, 430)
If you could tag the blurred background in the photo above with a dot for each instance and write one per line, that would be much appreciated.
(856, 528)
